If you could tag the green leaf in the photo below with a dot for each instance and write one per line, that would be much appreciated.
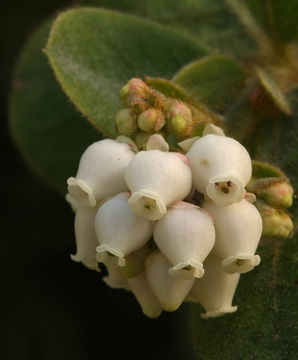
(264, 325)
(265, 170)
(273, 91)
(277, 17)
(94, 52)
(216, 81)
(49, 132)
(210, 22)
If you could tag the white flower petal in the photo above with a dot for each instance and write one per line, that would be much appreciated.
(222, 162)
(185, 235)
(238, 231)
(170, 291)
(215, 290)
(120, 231)
(147, 204)
(85, 238)
(115, 279)
(240, 263)
(159, 177)
(213, 129)
(72, 202)
(225, 190)
(81, 191)
(101, 172)
(127, 140)
(187, 144)
(144, 295)
(157, 142)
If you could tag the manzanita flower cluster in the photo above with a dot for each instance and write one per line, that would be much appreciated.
(137, 213)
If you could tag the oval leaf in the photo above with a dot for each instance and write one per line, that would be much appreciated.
(94, 52)
(49, 132)
(273, 91)
(277, 17)
(210, 22)
(216, 81)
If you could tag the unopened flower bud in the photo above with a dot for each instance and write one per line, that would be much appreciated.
(151, 120)
(85, 238)
(213, 129)
(176, 107)
(179, 119)
(133, 92)
(276, 223)
(157, 142)
(215, 290)
(139, 286)
(170, 291)
(185, 235)
(238, 231)
(101, 172)
(278, 195)
(126, 122)
(221, 167)
(157, 179)
(120, 231)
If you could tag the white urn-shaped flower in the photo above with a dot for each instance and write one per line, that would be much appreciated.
(221, 167)
(215, 290)
(86, 240)
(101, 172)
(139, 286)
(238, 231)
(170, 291)
(115, 279)
(157, 179)
(119, 230)
(185, 235)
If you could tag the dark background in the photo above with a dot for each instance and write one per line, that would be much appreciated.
(53, 308)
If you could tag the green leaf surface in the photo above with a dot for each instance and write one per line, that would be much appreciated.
(277, 17)
(273, 91)
(210, 22)
(217, 81)
(265, 325)
(49, 132)
(94, 52)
